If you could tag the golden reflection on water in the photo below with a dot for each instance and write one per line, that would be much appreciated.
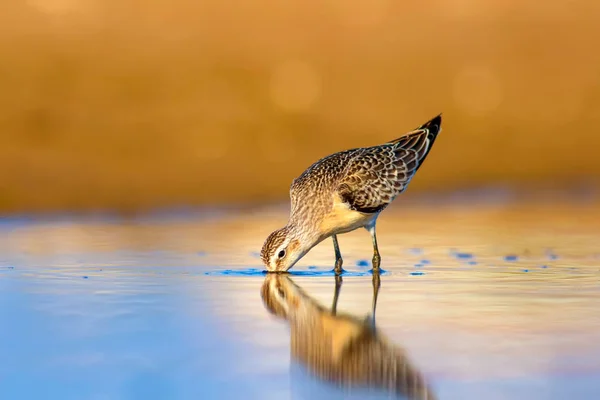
(467, 318)
(344, 349)
(488, 231)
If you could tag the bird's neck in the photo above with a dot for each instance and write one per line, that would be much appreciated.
(306, 234)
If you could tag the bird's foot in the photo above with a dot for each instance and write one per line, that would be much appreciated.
(376, 263)
(338, 266)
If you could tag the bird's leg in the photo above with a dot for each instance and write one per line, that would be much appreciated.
(376, 256)
(338, 256)
(336, 294)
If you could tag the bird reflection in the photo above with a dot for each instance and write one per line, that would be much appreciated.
(342, 349)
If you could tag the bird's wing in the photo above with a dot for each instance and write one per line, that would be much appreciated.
(376, 175)
(318, 177)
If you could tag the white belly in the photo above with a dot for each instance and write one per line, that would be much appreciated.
(342, 219)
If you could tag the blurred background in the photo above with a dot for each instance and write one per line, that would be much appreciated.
(129, 104)
(138, 107)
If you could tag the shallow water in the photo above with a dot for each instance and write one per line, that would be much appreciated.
(494, 302)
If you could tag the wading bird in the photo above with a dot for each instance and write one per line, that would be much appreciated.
(346, 191)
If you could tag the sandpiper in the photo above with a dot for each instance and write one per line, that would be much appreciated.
(346, 191)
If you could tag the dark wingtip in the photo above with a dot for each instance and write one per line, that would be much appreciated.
(434, 125)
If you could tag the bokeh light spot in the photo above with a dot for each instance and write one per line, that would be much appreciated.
(361, 12)
(57, 7)
(295, 86)
(477, 90)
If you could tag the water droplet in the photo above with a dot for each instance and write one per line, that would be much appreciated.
(464, 255)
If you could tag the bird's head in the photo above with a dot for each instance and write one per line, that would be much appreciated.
(282, 249)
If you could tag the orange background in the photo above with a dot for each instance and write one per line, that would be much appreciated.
(131, 104)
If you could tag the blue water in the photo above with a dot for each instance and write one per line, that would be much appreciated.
(163, 310)
(312, 271)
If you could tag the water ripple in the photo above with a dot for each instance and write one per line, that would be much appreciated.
(311, 272)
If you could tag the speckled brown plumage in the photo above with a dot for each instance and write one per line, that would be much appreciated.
(370, 178)
(345, 191)
(273, 241)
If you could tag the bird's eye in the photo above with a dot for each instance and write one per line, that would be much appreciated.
(281, 254)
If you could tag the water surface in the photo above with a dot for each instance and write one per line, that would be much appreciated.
(494, 302)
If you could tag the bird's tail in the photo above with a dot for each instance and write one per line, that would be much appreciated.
(434, 126)
(420, 141)
(429, 130)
